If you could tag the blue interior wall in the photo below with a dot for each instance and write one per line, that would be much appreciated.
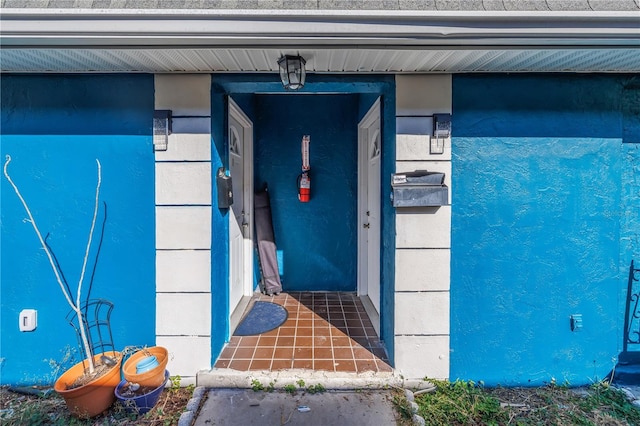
(54, 128)
(318, 239)
(538, 165)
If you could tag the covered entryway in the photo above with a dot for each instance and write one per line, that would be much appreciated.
(329, 247)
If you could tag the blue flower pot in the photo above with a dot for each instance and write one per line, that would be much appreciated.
(146, 364)
(139, 403)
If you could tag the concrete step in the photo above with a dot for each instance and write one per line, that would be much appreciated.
(228, 378)
(626, 374)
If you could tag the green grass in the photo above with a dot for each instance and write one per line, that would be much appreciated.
(461, 403)
(467, 403)
(316, 388)
(50, 409)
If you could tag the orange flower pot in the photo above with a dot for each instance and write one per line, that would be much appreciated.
(96, 396)
(151, 378)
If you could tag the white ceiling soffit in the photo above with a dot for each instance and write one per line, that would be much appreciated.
(82, 40)
(321, 61)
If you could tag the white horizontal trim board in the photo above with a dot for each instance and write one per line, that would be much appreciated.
(424, 227)
(183, 183)
(187, 146)
(191, 126)
(183, 270)
(187, 355)
(416, 148)
(418, 357)
(183, 314)
(423, 269)
(422, 313)
(422, 126)
(186, 227)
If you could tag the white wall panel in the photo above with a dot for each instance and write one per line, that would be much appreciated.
(183, 270)
(187, 355)
(191, 125)
(183, 94)
(423, 269)
(179, 314)
(423, 235)
(183, 227)
(425, 227)
(423, 94)
(418, 357)
(188, 146)
(422, 313)
(183, 183)
(416, 147)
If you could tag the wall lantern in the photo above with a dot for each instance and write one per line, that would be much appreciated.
(292, 71)
(441, 131)
(161, 129)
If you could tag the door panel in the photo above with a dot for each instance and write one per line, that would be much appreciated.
(236, 212)
(373, 209)
(240, 134)
(369, 193)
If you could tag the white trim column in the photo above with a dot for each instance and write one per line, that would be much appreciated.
(183, 225)
(423, 235)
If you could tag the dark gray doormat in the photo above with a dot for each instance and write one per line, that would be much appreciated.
(263, 317)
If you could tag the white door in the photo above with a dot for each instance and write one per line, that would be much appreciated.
(241, 212)
(369, 154)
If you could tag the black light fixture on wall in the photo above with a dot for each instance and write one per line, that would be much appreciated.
(161, 129)
(292, 71)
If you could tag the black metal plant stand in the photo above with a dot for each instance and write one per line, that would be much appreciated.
(631, 343)
(96, 316)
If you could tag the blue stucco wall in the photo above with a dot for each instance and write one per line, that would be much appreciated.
(319, 238)
(54, 128)
(538, 169)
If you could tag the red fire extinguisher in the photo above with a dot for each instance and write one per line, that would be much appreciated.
(304, 181)
(304, 187)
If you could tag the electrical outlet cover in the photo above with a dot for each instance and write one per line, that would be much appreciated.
(28, 319)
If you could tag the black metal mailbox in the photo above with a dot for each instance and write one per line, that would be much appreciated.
(419, 189)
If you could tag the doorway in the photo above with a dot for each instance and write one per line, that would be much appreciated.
(319, 240)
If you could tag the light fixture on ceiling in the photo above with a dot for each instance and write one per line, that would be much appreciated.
(292, 71)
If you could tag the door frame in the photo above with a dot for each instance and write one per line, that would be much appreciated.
(372, 114)
(235, 312)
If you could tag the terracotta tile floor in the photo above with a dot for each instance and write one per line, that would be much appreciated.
(324, 331)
